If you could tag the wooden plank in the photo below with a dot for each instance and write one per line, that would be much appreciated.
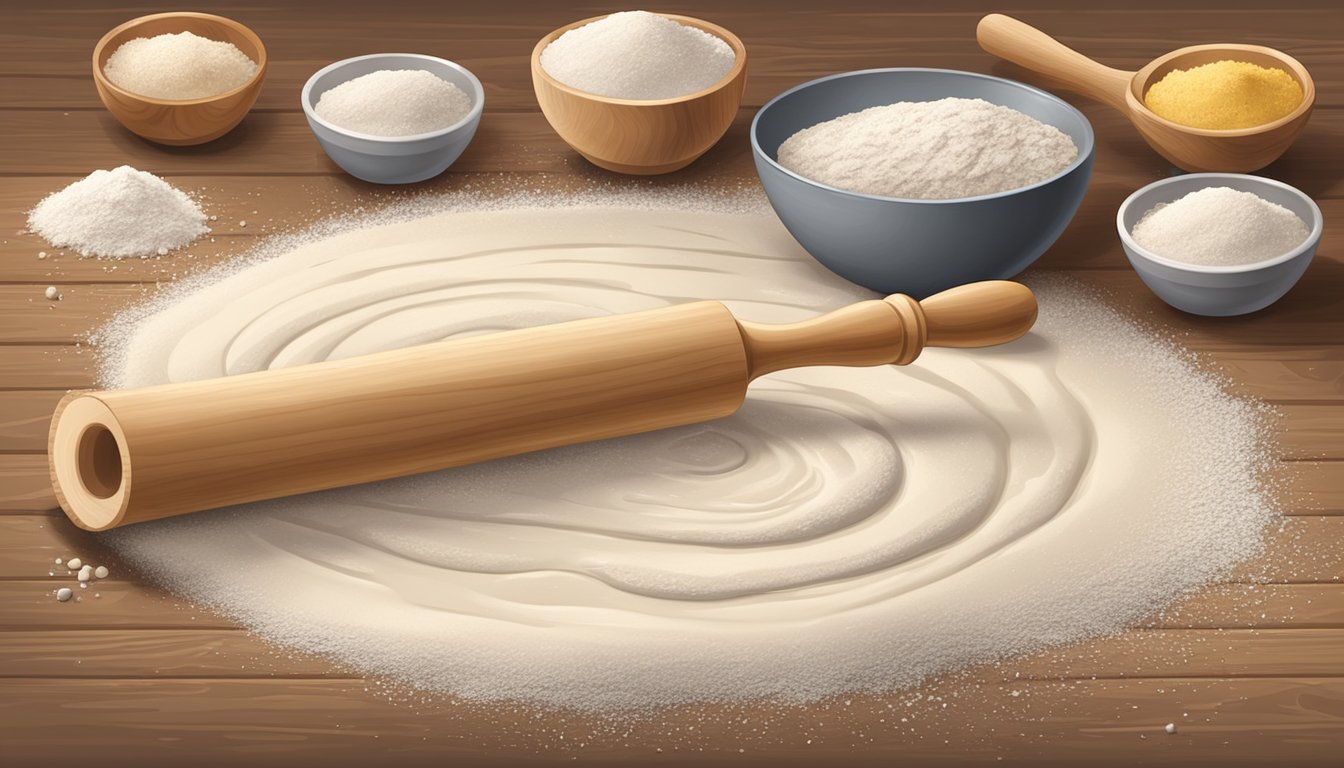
(335, 723)
(151, 653)
(24, 482)
(31, 605)
(30, 544)
(26, 315)
(1300, 550)
(25, 416)
(1220, 653)
(46, 366)
(1257, 606)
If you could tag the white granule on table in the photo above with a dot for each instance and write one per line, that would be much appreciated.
(394, 102)
(75, 564)
(121, 213)
(178, 66)
(1220, 226)
(851, 529)
(64, 594)
(929, 150)
(638, 55)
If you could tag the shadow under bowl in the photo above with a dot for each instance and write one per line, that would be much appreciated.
(185, 121)
(918, 247)
(1219, 291)
(393, 159)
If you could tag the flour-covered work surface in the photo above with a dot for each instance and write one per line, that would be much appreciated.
(848, 530)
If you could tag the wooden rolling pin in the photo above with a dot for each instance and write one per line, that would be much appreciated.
(127, 456)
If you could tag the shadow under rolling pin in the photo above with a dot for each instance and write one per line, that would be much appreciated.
(127, 456)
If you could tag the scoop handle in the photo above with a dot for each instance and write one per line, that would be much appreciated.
(895, 329)
(1029, 47)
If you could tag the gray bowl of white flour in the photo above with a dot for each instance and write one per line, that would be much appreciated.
(393, 118)
(916, 180)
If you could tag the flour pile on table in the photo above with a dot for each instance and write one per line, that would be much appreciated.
(121, 213)
(849, 529)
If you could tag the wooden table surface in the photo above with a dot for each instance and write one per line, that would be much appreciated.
(1250, 671)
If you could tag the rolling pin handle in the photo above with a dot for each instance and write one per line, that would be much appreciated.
(895, 329)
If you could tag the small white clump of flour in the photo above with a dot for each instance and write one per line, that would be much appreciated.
(1220, 226)
(121, 213)
(75, 564)
(929, 150)
(64, 594)
(394, 102)
(100, 572)
(178, 66)
(638, 55)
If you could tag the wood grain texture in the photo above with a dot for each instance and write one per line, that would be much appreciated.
(94, 681)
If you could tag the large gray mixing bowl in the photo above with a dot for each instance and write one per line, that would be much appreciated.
(918, 247)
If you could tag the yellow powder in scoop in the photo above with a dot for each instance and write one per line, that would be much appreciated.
(1224, 95)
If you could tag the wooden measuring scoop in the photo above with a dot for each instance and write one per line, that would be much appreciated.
(130, 455)
(1193, 149)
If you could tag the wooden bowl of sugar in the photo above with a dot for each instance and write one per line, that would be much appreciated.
(175, 88)
(660, 119)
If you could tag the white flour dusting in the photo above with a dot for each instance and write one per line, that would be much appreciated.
(929, 150)
(121, 213)
(848, 530)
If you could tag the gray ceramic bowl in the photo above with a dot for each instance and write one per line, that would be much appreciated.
(918, 247)
(1219, 291)
(393, 159)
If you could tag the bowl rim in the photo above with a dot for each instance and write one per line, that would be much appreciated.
(1083, 156)
(101, 78)
(734, 42)
(1316, 225)
(310, 110)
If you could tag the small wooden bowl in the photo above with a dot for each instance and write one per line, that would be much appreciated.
(638, 136)
(172, 121)
(1201, 149)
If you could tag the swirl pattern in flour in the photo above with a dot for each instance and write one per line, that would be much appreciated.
(847, 529)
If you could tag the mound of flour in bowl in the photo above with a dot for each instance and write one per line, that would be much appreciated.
(929, 150)
(394, 102)
(121, 213)
(638, 55)
(849, 529)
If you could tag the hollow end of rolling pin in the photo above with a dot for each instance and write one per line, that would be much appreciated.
(89, 462)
